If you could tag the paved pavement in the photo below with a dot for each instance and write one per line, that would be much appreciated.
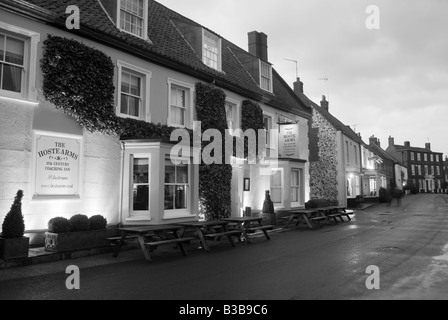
(409, 245)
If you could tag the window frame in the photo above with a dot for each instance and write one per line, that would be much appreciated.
(236, 107)
(145, 156)
(261, 63)
(145, 20)
(298, 187)
(205, 34)
(281, 187)
(185, 212)
(30, 64)
(270, 144)
(145, 75)
(189, 100)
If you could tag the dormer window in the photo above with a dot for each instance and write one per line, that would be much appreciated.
(265, 76)
(133, 17)
(211, 53)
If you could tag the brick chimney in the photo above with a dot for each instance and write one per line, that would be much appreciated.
(428, 146)
(391, 141)
(258, 45)
(298, 86)
(324, 103)
(373, 140)
(407, 144)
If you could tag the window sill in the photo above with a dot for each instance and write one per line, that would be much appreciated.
(37, 198)
(178, 216)
(18, 99)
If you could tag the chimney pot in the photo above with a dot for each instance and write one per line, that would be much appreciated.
(407, 144)
(324, 103)
(391, 141)
(298, 86)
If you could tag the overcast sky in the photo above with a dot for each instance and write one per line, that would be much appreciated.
(387, 81)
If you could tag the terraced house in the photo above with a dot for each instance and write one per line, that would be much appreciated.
(73, 152)
(335, 154)
(425, 167)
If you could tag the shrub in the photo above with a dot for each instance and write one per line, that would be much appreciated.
(13, 225)
(59, 225)
(97, 222)
(79, 222)
(383, 195)
(311, 204)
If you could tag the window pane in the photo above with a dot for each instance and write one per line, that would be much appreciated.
(141, 170)
(276, 195)
(135, 85)
(294, 178)
(134, 106)
(124, 104)
(12, 78)
(14, 51)
(125, 82)
(181, 197)
(294, 194)
(2, 47)
(276, 179)
(182, 174)
(170, 174)
(177, 115)
(169, 198)
(141, 198)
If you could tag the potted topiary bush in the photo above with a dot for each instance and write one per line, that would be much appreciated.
(77, 233)
(268, 209)
(12, 242)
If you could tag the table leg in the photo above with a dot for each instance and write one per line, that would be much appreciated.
(141, 241)
(243, 230)
(307, 221)
(224, 228)
(291, 218)
(264, 231)
(120, 244)
(202, 239)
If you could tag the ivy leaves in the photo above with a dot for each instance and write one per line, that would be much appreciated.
(79, 80)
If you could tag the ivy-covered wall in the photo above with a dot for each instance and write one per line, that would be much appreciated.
(323, 170)
(214, 179)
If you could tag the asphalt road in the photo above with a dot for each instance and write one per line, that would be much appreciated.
(408, 244)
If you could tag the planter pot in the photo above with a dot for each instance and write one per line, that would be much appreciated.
(72, 241)
(11, 248)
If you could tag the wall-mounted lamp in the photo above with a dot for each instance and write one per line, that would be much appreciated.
(246, 184)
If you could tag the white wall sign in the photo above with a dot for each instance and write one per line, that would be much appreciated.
(57, 165)
(289, 141)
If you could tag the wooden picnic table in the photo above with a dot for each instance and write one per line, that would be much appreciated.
(304, 215)
(250, 224)
(208, 229)
(159, 235)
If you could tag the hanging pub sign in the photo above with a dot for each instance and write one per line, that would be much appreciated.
(289, 141)
(57, 165)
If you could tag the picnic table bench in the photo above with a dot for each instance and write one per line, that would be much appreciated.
(160, 234)
(213, 230)
(250, 225)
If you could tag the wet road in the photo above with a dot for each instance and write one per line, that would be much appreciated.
(409, 245)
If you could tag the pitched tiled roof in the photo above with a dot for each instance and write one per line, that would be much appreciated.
(380, 152)
(335, 122)
(414, 149)
(168, 43)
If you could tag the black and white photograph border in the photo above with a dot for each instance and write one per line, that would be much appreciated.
(227, 157)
